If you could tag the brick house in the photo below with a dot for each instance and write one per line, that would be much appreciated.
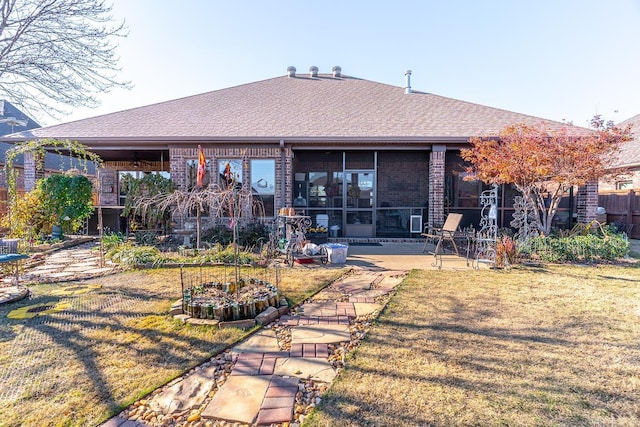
(377, 160)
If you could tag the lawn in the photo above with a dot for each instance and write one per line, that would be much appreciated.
(555, 346)
(109, 346)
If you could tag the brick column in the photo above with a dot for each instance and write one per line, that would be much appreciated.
(436, 185)
(33, 169)
(587, 202)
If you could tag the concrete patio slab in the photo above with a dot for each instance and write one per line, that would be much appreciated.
(239, 399)
(320, 334)
(314, 368)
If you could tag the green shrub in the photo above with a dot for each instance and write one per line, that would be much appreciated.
(130, 255)
(146, 238)
(26, 219)
(579, 248)
(221, 254)
(111, 240)
(248, 236)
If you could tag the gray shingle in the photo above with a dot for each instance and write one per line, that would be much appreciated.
(299, 107)
(629, 155)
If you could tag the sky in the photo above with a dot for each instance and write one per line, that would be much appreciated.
(563, 60)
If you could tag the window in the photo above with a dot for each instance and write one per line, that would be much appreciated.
(466, 193)
(230, 172)
(123, 191)
(263, 180)
(192, 174)
(318, 189)
(624, 185)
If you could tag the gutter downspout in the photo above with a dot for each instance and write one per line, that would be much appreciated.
(283, 183)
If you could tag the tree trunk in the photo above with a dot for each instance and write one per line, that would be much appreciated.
(198, 227)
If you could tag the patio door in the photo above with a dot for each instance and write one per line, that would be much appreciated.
(359, 202)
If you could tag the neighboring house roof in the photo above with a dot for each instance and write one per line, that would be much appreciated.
(303, 108)
(13, 120)
(629, 155)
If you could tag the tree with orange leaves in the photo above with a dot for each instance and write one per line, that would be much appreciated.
(544, 164)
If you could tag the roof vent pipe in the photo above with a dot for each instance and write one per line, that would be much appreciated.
(291, 71)
(407, 75)
(337, 71)
(313, 70)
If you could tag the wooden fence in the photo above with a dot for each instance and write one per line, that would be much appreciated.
(623, 209)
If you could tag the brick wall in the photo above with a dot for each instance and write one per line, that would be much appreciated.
(587, 202)
(436, 189)
(180, 155)
(33, 169)
(403, 178)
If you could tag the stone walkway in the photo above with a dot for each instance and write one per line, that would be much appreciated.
(74, 263)
(277, 375)
(65, 265)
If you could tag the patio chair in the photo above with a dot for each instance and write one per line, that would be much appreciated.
(446, 232)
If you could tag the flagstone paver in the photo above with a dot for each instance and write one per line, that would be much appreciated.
(372, 293)
(363, 308)
(314, 368)
(320, 334)
(265, 380)
(12, 293)
(263, 341)
(74, 263)
(319, 309)
(185, 394)
(275, 415)
(248, 364)
(361, 299)
(309, 350)
(239, 399)
(59, 274)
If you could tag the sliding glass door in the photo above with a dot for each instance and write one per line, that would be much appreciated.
(359, 202)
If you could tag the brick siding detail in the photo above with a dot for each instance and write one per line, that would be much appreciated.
(33, 170)
(436, 188)
(403, 179)
(179, 156)
(587, 202)
(108, 179)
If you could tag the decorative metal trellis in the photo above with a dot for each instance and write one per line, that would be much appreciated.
(525, 220)
(487, 236)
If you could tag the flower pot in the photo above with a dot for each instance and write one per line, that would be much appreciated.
(56, 232)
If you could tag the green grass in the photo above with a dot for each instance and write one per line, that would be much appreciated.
(115, 345)
(547, 347)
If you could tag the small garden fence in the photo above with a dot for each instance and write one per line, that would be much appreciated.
(229, 294)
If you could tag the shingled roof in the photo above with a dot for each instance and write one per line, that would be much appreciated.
(302, 107)
(629, 155)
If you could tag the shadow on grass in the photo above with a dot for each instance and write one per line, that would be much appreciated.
(103, 329)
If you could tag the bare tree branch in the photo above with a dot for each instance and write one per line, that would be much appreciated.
(56, 54)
